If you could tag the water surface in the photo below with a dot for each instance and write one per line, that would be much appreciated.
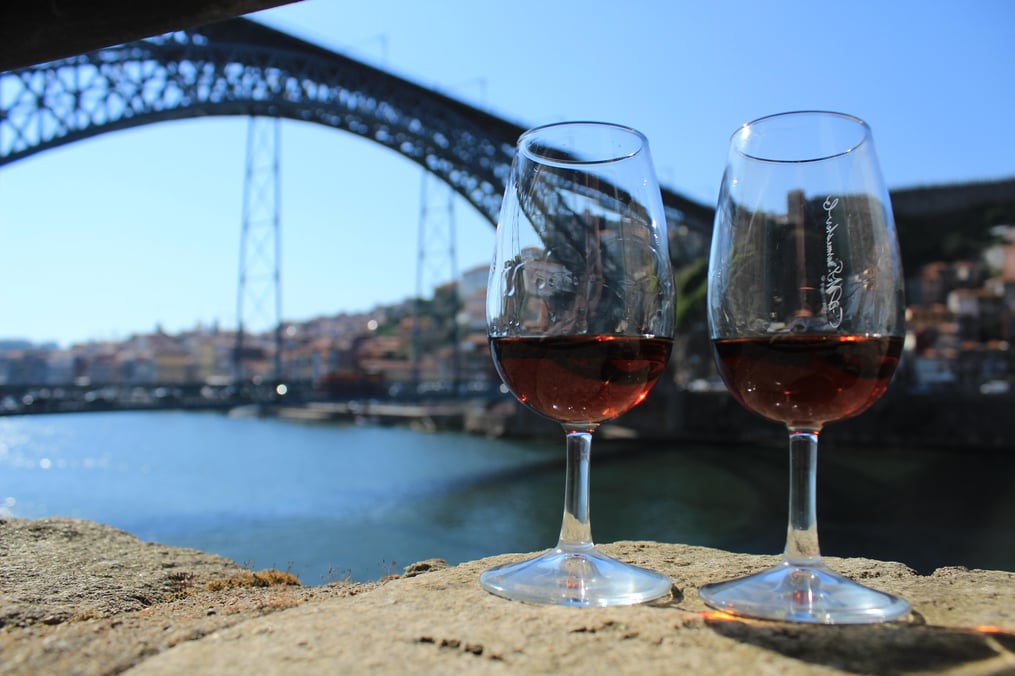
(330, 501)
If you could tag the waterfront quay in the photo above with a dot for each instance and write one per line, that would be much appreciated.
(937, 420)
(83, 396)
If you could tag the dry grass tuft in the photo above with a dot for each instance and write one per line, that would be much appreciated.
(264, 578)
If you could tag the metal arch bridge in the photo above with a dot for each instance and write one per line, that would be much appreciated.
(239, 67)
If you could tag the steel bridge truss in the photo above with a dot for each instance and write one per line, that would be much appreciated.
(239, 67)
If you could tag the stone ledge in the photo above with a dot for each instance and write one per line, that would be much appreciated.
(438, 619)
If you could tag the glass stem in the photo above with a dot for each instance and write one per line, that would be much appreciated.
(576, 530)
(802, 533)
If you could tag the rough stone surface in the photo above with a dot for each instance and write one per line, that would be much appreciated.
(55, 570)
(77, 597)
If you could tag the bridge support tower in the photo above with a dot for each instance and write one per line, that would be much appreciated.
(436, 265)
(259, 299)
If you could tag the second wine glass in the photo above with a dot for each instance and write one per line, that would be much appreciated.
(806, 313)
(580, 308)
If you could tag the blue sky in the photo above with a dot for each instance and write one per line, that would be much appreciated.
(118, 234)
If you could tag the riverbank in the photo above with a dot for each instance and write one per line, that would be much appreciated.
(81, 597)
(900, 419)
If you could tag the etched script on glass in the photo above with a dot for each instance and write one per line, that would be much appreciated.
(832, 279)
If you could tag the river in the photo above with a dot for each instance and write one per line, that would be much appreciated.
(336, 501)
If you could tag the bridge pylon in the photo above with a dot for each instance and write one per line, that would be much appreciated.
(436, 269)
(259, 298)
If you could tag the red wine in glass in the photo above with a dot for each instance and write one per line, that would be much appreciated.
(807, 380)
(581, 379)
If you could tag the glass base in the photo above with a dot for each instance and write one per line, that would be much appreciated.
(575, 576)
(804, 593)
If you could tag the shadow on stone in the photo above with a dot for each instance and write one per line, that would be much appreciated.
(888, 649)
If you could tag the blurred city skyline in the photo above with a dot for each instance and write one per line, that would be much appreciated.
(138, 229)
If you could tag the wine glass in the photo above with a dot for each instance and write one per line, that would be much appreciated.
(580, 308)
(806, 314)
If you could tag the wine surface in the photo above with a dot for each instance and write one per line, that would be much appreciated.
(806, 381)
(580, 379)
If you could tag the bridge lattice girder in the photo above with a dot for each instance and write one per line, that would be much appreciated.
(239, 67)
